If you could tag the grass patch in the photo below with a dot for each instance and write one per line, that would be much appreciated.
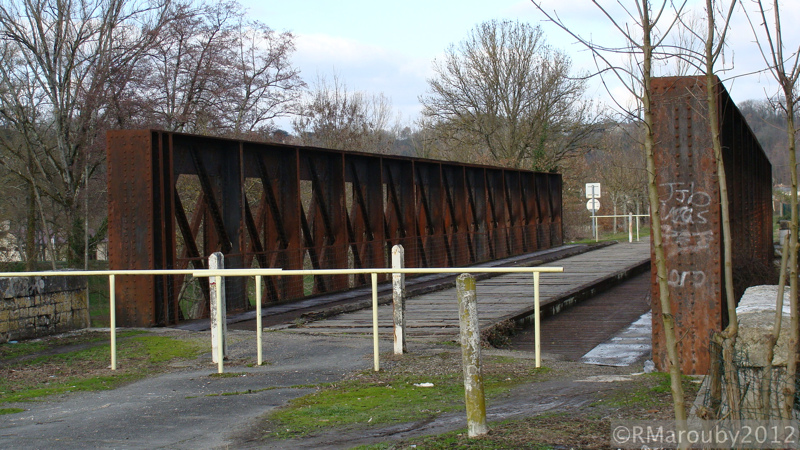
(71, 384)
(52, 345)
(163, 349)
(583, 428)
(352, 402)
(392, 396)
(81, 363)
(648, 393)
(4, 411)
(10, 351)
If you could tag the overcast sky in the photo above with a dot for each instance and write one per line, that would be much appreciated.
(389, 47)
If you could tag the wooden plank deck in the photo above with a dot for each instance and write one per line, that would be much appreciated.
(435, 315)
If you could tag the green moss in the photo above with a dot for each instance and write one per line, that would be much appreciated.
(4, 411)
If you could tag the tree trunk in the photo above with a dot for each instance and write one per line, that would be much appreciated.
(31, 246)
(791, 363)
(658, 246)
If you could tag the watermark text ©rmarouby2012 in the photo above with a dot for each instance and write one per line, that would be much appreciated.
(744, 434)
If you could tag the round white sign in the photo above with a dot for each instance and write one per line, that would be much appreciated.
(593, 204)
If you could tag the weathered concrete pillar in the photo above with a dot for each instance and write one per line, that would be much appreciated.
(399, 300)
(471, 355)
(217, 261)
(756, 314)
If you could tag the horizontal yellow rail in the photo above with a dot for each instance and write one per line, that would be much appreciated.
(255, 272)
(258, 273)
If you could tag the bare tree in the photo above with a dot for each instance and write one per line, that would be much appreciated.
(644, 40)
(335, 117)
(786, 71)
(64, 55)
(214, 71)
(621, 166)
(268, 85)
(504, 93)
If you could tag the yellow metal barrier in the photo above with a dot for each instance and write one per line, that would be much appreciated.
(258, 273)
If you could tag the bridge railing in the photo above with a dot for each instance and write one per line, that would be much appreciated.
(630, 221)
(218, 274)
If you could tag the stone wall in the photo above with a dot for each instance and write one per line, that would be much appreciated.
(38, 306)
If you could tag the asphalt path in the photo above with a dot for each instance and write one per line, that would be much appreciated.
(186, 409)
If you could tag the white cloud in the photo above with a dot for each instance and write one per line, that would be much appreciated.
(364, 67)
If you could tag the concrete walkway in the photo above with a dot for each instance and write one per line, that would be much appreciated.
(434, 316)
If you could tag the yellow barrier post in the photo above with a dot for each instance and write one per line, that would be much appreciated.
(112, 318)
(258, 319)
(220, 351)
(375, 343)
(537, 336)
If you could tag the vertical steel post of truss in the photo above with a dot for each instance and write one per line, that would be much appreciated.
(691, 213)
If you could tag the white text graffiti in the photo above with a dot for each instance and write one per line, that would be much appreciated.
(679, 279)
(684, 205)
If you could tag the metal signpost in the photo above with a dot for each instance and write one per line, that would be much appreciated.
(593, 193)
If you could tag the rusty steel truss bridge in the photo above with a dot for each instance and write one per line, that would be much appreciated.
(176, 198)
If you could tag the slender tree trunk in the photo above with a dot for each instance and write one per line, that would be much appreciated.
(48, 237)
(30, 234)
(791, 361)
(676, 385)
(727, 338)
(86, 219)
(31, 253)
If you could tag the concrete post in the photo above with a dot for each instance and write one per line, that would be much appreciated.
(630, 226)
(471, 355)
(399, 300)
(219, 327)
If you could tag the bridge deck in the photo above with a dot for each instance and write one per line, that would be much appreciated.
(435, 315)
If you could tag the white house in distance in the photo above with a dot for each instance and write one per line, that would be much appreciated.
(10, 246)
